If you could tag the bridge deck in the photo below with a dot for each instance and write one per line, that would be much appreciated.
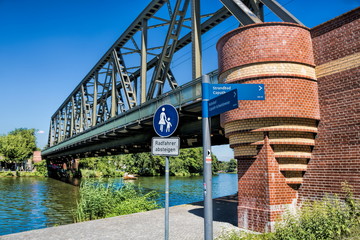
(132, 131)
(186, 222)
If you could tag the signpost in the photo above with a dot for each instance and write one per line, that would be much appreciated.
(223, 103)
(216, 99)
(245, 91)
(208, 211)
(165, 122)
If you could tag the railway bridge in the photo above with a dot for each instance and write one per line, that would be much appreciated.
(110, 111)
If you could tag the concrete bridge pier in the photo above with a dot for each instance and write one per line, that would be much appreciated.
(272, 139)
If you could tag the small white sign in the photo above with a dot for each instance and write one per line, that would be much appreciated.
(165, 146)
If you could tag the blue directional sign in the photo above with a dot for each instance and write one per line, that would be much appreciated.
(245, 91)
(166, 120)
(223, 103)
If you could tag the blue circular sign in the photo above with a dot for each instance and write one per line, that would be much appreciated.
(166, 120)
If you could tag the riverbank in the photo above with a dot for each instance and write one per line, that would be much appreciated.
(186, 222)
(45, 202)
(20, 174)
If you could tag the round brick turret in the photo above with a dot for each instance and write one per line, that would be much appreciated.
(280, 56)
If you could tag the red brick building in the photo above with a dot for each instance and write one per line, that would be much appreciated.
(304, 139)
(36, 157)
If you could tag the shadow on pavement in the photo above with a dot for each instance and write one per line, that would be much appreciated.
(224, 209)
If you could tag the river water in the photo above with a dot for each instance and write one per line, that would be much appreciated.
(34, 203)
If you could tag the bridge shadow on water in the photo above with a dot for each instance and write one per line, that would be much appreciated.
(224, 209)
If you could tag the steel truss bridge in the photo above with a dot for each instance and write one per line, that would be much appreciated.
(110, 111)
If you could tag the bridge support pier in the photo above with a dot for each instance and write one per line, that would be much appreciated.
(272, 139)
(75, 164)
(66, 170)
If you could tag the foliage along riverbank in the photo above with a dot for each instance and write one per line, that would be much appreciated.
(15, 149)
(18, 145)
(40, 170)
(188, 163)
(101, 200)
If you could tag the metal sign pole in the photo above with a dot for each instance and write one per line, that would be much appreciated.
(208, 208)
(166, 198)
(165, 122)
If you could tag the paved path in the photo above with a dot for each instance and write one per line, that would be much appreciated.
(186, 222)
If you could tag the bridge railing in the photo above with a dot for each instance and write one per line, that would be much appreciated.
(181, 96)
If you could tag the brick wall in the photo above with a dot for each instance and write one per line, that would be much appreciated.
(336, 156)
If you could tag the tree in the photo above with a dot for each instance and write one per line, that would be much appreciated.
(18, 145)
(189, 162)
(28, 137)
(13, 148)
(215, 164)
(232, 165)
(223, 166)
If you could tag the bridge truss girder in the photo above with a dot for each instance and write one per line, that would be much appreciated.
(121, 79)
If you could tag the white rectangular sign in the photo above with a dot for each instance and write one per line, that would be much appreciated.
(165, 146)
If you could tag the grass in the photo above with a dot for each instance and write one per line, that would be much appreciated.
(102, 200)
(20, 174)
(7, 174)
(89, 173)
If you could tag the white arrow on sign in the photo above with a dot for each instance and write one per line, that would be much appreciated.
(260, 88)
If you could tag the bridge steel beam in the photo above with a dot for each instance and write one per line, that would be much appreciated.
(241, 12)
(219, 16)
(143, 66)
(95, 102)
(196, 39)
(280, 11)
(172, 36)
(116, 85)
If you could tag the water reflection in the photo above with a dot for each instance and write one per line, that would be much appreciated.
(34, 203)
(187, 189)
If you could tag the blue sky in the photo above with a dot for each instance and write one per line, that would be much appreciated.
(47, 47)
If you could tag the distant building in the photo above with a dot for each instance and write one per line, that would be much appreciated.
(36, 157)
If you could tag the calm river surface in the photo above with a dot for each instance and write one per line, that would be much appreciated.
(34, 203)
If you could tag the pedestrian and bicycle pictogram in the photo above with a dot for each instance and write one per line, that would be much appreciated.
(166, 120)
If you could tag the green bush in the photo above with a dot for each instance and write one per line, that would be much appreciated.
(30, 174)
(101, 200)
(87, 173)
(329, 218)
(326, 219)
(41, 168)
(7, 174)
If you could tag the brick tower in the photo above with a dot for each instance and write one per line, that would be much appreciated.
(272, 139)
